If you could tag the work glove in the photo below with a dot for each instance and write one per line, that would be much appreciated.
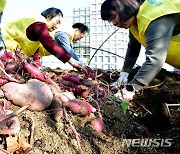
(80, 66)
(82, 63)
(123, 79)
(88, 71)
(124, 94)
(75, 64)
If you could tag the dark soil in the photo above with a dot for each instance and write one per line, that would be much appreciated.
(145, 119)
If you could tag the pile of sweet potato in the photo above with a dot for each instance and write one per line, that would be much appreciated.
(22, 83)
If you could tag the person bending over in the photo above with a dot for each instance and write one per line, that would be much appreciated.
(155, 24)
(66, 39)
(30, 33)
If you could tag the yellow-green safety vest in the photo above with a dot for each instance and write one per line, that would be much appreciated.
(151, 10)
(2, 5)
(14, 35)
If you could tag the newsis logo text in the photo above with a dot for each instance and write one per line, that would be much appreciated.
(147, 142)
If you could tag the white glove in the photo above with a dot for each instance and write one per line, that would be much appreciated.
(124, 94)
(82, 63)
(72, 62)
(76, 64)
(123, 78)
(79, 66)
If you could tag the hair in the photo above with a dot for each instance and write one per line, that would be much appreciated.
(51, 12)
(83, 28)
(125, 8)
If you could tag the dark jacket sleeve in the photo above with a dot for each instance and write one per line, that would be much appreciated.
(38, 31)
(132, 53)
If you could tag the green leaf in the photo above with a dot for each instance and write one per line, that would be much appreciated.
(124, 106)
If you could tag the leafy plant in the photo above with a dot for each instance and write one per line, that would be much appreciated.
(124, 105)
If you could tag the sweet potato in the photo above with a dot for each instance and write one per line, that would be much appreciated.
(36, 72)
(66, 97)
(36, 93)
(12, 67)
(68, 85)
(36, 59)
(3, 80)
(7, 56)
(82, 91)
(72, 78)
(81, 107)
(97, 125)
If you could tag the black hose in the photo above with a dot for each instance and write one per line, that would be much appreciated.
(102, 45)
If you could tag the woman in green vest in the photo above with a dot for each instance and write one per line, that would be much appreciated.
(29, 34)
(155, 24)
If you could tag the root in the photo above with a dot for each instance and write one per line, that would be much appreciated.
(77, 135)
(31, 140)
(8, 75)
(4, 151)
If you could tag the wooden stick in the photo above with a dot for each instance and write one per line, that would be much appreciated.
(15, 113)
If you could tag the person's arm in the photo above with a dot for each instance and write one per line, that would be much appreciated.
(132, 53)
(158, 35)
(1, 13)
(63, 41)
(38, 31)
(1, 39)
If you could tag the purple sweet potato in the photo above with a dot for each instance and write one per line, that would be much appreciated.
(36, 93)
(72, 78)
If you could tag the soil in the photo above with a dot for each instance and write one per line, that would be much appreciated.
(145, 119)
